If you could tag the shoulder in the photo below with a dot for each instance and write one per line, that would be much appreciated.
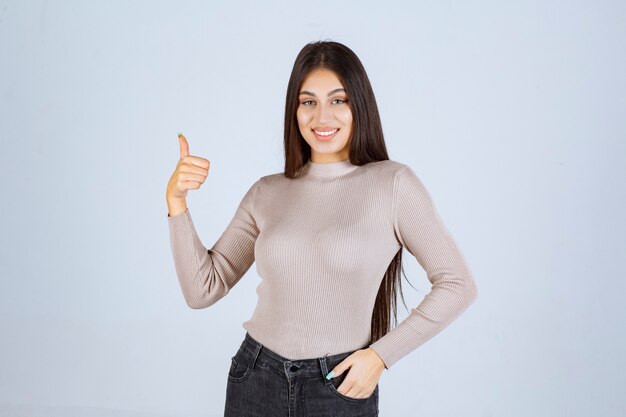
(388, 170)
(387, 166)
(273, 179)
(402, 178)
(271, 182)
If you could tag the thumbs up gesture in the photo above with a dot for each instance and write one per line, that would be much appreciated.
(190, 174)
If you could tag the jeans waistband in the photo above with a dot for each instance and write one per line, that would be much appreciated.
(267, 358)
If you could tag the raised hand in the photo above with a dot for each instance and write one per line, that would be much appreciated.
(190, 174)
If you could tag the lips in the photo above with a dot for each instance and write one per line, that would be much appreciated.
(325, 136)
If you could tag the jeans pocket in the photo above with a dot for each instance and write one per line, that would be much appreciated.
(240, 367)
(336, 382)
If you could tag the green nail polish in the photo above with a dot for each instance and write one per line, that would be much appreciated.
(180, 134)
(330, 374)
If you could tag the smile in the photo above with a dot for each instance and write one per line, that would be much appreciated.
(325, 135)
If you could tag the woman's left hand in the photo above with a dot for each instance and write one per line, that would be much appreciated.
(365, 368)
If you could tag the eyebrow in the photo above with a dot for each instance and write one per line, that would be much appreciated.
(336, 90)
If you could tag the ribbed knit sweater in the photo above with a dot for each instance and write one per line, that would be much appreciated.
(322, 243)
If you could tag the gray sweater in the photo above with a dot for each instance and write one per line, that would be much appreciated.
(322, 243)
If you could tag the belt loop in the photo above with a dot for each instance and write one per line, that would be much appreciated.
(324, 367)
(257, 350)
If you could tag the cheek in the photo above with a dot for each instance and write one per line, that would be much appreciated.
(345, 116)
(302, 119)
(303, 124)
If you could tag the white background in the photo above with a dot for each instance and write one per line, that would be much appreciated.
(512, 114)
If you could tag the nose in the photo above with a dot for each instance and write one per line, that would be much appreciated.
(325, 113)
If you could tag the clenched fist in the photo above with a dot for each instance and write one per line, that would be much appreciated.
(190, 174)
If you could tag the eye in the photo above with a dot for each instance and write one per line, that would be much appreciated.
(342, 101)
(307, 101)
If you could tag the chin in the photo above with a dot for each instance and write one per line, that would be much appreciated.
(326, 147)
(327, 150)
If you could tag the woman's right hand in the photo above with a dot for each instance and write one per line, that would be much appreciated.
(190, 174)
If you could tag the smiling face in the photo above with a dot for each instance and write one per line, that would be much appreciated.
(324, 108)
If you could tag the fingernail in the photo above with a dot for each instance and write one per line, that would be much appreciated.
(330, 374)
(180, 134)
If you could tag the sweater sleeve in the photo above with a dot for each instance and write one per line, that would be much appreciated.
(419, 229)
(207, 275)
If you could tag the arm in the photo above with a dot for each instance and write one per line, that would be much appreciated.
(206, 276)
(420, 230)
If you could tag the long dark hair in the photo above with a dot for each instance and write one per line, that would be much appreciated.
(367, 145)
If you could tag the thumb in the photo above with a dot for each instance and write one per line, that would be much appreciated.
(184, 146)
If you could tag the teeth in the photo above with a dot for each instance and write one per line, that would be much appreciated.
(326, 133)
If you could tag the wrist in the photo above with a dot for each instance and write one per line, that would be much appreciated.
(175, 207)
(380, 360)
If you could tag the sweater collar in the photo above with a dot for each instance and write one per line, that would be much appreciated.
(330, 169)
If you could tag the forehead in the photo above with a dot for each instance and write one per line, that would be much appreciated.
(321, 80)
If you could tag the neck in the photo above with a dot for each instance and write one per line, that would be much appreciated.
(330, 169)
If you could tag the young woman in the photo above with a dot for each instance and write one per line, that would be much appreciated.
(327, 236)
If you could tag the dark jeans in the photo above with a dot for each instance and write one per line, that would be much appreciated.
(262, 383)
